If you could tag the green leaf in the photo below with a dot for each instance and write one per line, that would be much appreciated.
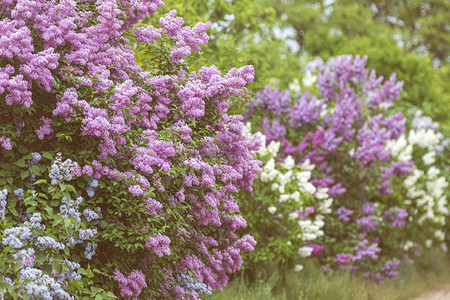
(36, 170)
(40, 181)
(56, 266)
(23, 174)
(40, 257)
(47, 155)
(71, 188)
(20, 163)
(67, 223)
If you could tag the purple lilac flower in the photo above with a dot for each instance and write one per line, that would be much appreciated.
(342, 258)
(344, 213)
(367, 223)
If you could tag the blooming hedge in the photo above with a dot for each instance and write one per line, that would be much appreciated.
(115, 182)
(345, 125)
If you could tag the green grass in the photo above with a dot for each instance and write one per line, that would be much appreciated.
(430, 272)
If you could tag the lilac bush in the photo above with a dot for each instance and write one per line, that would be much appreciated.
(424, 189)
(282, 215)
(152, 153)
(343, 126)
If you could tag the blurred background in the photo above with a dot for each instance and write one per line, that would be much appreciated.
(277, 37)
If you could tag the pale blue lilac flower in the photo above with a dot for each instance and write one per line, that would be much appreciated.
(90, 250)
(90, 215)
(3, 196)
(86, 234)
(91, 187)
(69, 208)
(46, 242)
(16, 237)
(35, 158)
(19, 193)
(189, 284)
(42, 286)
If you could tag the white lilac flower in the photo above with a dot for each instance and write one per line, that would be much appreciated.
(309, 79)
(433, 173)
(307, 166)
(35, 221)
(298, 268)
(273, 148)
(429, 158)
(305, 251)
(321, 193)
(275, 186)
(289, 163)
(294, 86)
(62, 170)
(440, 235)
(272, 209)
(69, 208)
(293, 216)
(296, 196)
(247, 129)
(283, 198)
(303, 177)
(41, 286)
(308, 187)
(425, 138)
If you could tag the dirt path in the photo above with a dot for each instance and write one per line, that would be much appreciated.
(443, 294)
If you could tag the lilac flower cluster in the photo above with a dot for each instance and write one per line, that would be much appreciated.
(3, 203)
(62, 170)
(27, 256)
(396, 216)
(344, 213)
(158, 244)
(91, 187)
(90, 250)
(189, 284)
(19, 193)
(132, 285)
(42, 286)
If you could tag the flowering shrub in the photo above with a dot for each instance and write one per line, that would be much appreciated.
(424, 188)
(44, 236)
(281, 213)
(152, 157)
(342, 126)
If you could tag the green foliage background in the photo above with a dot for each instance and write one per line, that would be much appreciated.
(410, 38)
